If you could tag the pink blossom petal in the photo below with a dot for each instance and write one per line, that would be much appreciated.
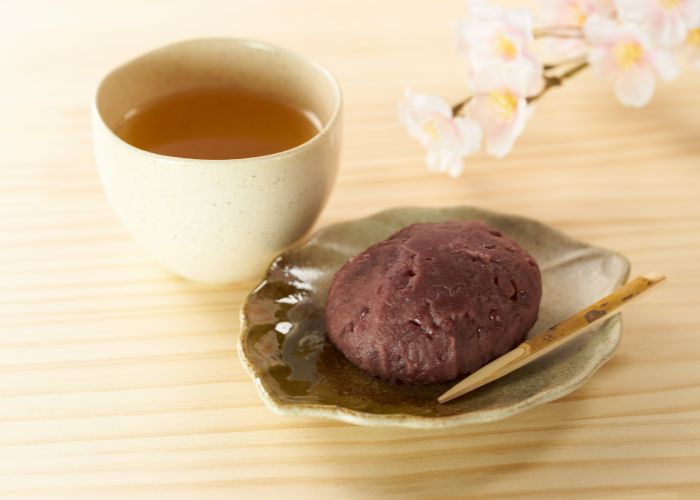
(469, 135)
(563, 13)
(634, 88)
(600, 30)
(597, 58)
(668, 31)
(575, 12)
(520, 77)
(521, 19)
(454, 166)
(664, 64)
(433, 159)
(499, 132)
(635, 11)
(500, 139)
(515, 76)
(427, 102)
(692, 14)
(416, 110)
(445, 160)
(691, 48)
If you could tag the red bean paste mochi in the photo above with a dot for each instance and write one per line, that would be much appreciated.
(433, 302)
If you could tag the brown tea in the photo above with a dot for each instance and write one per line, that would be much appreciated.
(217, 123)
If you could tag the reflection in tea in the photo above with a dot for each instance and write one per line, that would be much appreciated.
(218, 123)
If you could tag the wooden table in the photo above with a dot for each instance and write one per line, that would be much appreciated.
(118, 380)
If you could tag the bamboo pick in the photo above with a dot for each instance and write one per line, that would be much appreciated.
(554, 337)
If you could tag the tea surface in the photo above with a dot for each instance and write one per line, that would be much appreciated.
(217, 123)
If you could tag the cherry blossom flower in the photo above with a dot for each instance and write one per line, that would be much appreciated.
(500, 105)
(667, 22)
(447, 139)
(623, 53)
(494, 35)
(691, 48)
(627, 41)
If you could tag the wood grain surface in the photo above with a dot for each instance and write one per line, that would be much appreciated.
(118, 380)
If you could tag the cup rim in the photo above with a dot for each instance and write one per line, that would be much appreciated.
(250, 42)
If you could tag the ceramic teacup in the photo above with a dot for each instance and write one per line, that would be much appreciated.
(217, 221)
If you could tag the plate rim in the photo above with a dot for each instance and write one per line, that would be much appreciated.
(613, 326)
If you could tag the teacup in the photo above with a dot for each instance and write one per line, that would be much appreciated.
(217, 221)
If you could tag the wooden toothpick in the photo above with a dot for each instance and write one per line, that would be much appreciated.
(554, 337)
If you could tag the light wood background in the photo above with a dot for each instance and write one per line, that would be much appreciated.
(118, 380)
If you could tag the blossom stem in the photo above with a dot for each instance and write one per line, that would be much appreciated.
(564, 62)
(556, 29)
(560, 27)
(557, 80)
(576, 36)
(558, 32)
(458, 107)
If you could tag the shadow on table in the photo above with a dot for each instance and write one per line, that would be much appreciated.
(467, 461)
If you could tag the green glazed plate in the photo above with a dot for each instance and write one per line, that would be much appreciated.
(297, 371)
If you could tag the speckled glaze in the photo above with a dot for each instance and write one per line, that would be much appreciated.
(217, 221)
(297, 371)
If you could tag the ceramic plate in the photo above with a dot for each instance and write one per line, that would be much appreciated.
(297, 371)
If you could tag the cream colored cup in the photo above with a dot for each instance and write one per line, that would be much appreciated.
(217, 221)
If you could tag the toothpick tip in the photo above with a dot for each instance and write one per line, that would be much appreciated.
(444, 398)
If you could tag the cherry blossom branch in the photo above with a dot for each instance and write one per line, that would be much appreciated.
(558, 32)
(633, 43)
(560, 27)
(562, 35)
(565, 62)
(550, 81)
(458, 107)
(557, 80)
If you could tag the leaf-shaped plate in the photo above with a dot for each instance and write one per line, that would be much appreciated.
(297, 371)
